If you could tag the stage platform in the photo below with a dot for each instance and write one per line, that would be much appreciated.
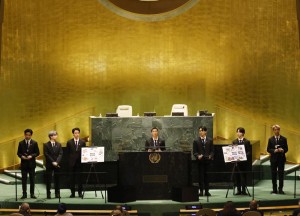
(151, 207)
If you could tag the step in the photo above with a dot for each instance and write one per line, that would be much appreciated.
(264, 158)
(266, 169)
(13, 173)
(291, 168)
(8, 177)
(40, 163)
(5, 179)
(256, 163)
(17, 173)
(291, 176)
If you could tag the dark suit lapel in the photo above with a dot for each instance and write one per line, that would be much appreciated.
(79, 143)
(158, 142)
(73, 144)
(152, 142)
(200, 146)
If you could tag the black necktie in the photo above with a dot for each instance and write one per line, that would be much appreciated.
(76, 144)
(203, 143)
(27, 145)
(277, 140)
(155, 144)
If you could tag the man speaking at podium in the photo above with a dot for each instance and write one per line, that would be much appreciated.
(155, 144)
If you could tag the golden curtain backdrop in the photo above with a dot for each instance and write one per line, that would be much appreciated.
(62, 57)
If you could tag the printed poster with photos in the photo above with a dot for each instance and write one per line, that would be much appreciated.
(92, 154)
(234, 153)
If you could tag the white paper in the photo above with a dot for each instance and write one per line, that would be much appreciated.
(234, 153)
(92, 154)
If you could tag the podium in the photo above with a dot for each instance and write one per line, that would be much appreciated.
(154, 174)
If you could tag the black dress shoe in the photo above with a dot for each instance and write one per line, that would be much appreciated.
(48, 196)
(273, 192)
(72, 196)
(207, 194)
(201, 193)
(80, 195)
(281, 192)
(244, 193)
(238, 193)
(57, 196)
(24, 196)
(32, 196)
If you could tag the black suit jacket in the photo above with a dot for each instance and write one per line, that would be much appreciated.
(52, 154)
(74, 155)
(199, 150)
(150, 144)
(272, 145)
(247, 145)
(32, 150)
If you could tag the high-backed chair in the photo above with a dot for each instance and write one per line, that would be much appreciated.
(124, 111)
(177, 108)
(206, 212)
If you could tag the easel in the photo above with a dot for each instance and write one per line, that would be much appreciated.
(235, 167)
(92, 170)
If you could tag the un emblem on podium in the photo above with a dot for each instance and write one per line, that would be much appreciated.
(154, 157)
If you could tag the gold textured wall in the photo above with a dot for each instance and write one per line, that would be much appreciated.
(62, 57)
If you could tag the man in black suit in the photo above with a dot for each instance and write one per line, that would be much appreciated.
(203, 150)
(28, 150)
(277, 147)
(53, 153)
(74, 146)
(155, 144)
(242, 166)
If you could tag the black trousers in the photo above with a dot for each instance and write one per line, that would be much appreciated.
(277, 167)
(24, 173)
(75, 177)
(203, 168)
(241, 176)
(56, 172)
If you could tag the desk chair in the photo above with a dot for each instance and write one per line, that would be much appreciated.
(124, 111)
(177, 108)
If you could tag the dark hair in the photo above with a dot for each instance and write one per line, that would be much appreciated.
(154, 129)
(229, 209)
(28, 131)
(203, 128)
(62, 208)
(253, 205)
(75, 129)
(241, 130)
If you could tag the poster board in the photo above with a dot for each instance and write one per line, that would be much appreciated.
(92, 154)
(234, 153)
